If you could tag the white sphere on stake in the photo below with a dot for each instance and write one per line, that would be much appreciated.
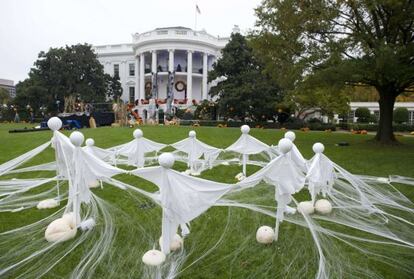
(54, 123)
(166, 160)
(318, 147)
(290, 135)
(192, 134)
(138, 133)
(90, 142)
(245, 129)
(284, 145)
(76, 138)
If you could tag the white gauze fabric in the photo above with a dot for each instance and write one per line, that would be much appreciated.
(182, 197)
(14, 163)
(194, 149)
(136, 149)
(321, 176)
(287, 178)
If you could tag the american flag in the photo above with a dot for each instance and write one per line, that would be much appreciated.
(198, 9)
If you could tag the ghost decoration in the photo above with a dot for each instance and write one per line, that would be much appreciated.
(136, 149)
(321, 173)
(295, 154)
(195, 149)
(284, 175)
(103, 154)
(181, 197)
(247, 145)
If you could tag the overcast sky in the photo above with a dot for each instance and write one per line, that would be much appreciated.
(29, 26)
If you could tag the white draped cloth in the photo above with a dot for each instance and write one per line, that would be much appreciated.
(287, 178)
(18, 161)
(321, 175)
(194, 149)
(182, 197)
(136, 149)
(103, 154)
(246, 144)
(81, 168)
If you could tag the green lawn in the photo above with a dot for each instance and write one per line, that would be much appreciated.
(237, 255)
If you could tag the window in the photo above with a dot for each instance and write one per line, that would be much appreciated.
(411, 117)
(132, 95)
(116, 70)
(131, 69)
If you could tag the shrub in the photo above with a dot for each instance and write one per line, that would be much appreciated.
(363, 115)
(401, 115)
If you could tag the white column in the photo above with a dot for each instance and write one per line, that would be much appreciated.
(171, 60)
(154, 61)
(204, 82)
(189, 77)
(123, 78)
(141, 76)
(137, 84)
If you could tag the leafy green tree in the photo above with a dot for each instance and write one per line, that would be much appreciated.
(245, 91)
(363, 115)
(4, 96)
(358, 42)
(114, 89)
(61, 72)
(401, 115)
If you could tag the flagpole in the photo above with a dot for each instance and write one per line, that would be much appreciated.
(195, 18)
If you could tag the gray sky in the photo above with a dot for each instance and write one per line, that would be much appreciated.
(29, 26)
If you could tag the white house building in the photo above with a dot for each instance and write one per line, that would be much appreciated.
(177, 54)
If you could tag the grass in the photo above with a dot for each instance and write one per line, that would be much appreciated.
(238, 255)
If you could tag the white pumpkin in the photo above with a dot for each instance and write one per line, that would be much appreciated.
(176, 243)
(323, 206)
(60, 230)
(153, 257)
(265, 235)
(48, 203)
(94, 184)
(306, 207)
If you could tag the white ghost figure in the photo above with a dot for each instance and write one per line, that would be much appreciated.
(182, 197)
(136, 149)
(321, 174)
(295, 154)
(247, 145)
(194, 149)
(285, 175)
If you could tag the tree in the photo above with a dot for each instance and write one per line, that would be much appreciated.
(358, 42)
(244, 90)
(114, 89)
(401, 115)
(363, 115)
(62, 72)
(4, 96)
